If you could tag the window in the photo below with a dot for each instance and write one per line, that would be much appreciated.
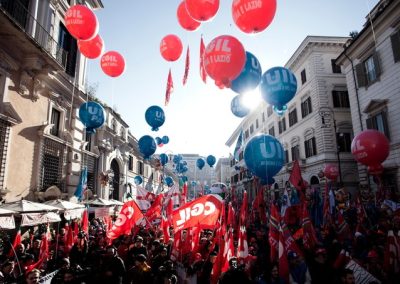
(130, 163)
(286, 156)
(292, 117)
(251, 129)
(257, 125)
(114, 125)
(379, 122)
(271, 131)
(368, 72)
(306, 107)
(52, 161)
(68, 43)
(395, 39)
(282, 125)
(295, 152)
(4, 137)
(55, 119)
(269, 111)
(340, 99)
(343, 142)
(263, 117)
(310, 147)
(335, 68)
(88, 138)
(91, 164)
(246, 134)
(140, 168)
(303, 76)
(122, 132)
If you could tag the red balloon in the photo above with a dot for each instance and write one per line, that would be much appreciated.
(81, 22)
(202, 10)
(370, 147)
(375, 170)
(331, 171)
(224, 59)
(91, 48)
(171, 48)
(112, 63)
(185, 20)
(253, 16)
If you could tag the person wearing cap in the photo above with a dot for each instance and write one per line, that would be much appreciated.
(299, 273)
(141, 272)
(234, 274)
(7, 272)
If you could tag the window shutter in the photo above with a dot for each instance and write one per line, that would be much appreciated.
(361, 77)
(395, 38)
(385, 124)
(309, 105)
(306, 148)
(314, 146)
(369, 123)
(377, 65)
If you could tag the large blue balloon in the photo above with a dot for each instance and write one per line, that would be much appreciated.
(163, 159)
(165, 139)
(169, 181)
(264, 157)
(92, 116)
(278, 86)
(200, 163)
(155, 117)
(138, 180)
(211, 160)
(238, 108)
(147, 146)
(250, 76)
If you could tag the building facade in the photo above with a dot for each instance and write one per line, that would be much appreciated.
(316, 129)
(223, 171)
(371, 63)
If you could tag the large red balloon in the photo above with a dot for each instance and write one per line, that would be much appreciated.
(224, 59)
(112, 63)
(331, 171)
(202, 10)
(81, 22)
(91, 48)
(185, 20)
(370, 147)
(253, 16)
(171, 48)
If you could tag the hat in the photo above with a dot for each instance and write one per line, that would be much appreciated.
(139, 239)
(141, 258)
(292, 255)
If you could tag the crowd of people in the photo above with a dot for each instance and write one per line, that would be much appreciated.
(147, 256)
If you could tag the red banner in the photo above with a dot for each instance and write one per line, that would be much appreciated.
(129, 215)
(170, 88)
(203, 211)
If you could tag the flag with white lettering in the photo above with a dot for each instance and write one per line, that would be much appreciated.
(127, 218)
(203, 211)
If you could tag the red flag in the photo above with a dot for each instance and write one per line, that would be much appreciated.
(283, 261)
(169, 89)
(392, 254)
(309, 235)
(184, 193)
(127, 218)
(203, 73)
(243, 210)
(217, 267)
(154, 211)
(341, 260)
(296, 179)
(170, 209)
(43, 253)
(273, 236)
(342, 228)
(243, 249)
(231, 220)
(76, 230)
(204, 210)
(195, 239)
(229, 252)
(85, 222)
(187, 63)
(69, 242)
(327, 217)
(17, 241)
(289, 242)
(165, 228)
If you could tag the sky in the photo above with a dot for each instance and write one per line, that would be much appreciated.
(198, 116)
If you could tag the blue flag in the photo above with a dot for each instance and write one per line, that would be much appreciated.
(82, 185)
(238, 147)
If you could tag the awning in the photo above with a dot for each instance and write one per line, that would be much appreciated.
(33, 219)
(99, 202)
(71, 210)
(25, 206)
(7, 219)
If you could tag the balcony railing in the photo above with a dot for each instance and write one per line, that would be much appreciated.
(32, 28)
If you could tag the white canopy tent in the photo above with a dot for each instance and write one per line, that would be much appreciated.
(71, 210)
(7, 219)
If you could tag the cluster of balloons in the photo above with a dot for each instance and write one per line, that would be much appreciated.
(161, 141)
(92, 116)
(155, 117)
(371, 148)
(83, 25)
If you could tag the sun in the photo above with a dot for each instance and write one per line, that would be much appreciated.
(251, 99)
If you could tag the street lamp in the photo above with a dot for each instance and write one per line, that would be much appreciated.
(325, 113)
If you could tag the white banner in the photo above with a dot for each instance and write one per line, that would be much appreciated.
(361, 275)
(73, 213)
(33, 219)
(7, 222)
(47, 278)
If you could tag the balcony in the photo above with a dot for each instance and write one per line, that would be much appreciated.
(14, 16)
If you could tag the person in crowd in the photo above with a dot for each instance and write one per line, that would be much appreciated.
(69, 277)
(35, 249)
(136, 249)
(7, 272)
(348, 277)
(234, 274)
(112, 269)
(205, 274)
(320, 270)
(298, 269)
(79, 250)
(159, 259)
(140, 272)
(32, 277)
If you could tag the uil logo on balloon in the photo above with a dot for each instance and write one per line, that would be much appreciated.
(238, 108)
(155, 117)
(92, 116)
(249, 77)
(263, 156)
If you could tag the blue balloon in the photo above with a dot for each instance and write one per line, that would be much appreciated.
(264, 157)
(278, 86)
(238, 108)
(163, 159)
(165, 139)
(200, 163)
(92, 116)
(138, 180)
(280, 112)
(155, 117)
(177, 159)
(159, 141)
(250, 76)
(169, 181)
(211, 160)
(147, 146)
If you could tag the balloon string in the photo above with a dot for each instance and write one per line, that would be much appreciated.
(370, 20)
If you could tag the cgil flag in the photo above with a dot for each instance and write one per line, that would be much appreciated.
(128, 216)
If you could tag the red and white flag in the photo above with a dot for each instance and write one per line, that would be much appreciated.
(69, 242)
(127, 218)
(187, 65)
(85, 222)
(155, 209)
(204, 211)
(203, 73)
(273, 236)
(43, 252)
(17, 241)
(165, 228)
(283, 261)
(174, 195)
(392, 253)
(309, 236)
(243, 249)
(170, 88)
(143, 197)
(229, 252)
